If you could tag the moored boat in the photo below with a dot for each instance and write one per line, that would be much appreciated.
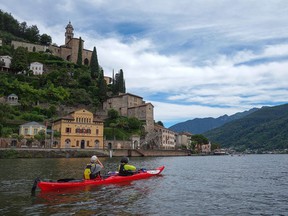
(47, 185)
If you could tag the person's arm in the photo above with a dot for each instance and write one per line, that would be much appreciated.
(99, 162)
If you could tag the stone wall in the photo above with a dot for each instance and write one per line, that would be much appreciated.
(78, 153)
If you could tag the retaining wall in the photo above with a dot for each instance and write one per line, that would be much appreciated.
(75, 153)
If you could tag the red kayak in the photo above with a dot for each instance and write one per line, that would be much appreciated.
(72, 183)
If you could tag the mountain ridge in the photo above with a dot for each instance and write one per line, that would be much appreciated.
(266, 129)
(201, 125)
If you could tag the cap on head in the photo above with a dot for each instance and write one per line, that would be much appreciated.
(125, 160)
(93, 158)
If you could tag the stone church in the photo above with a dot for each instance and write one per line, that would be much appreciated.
(68, 51)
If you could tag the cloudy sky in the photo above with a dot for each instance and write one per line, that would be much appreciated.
(189, 58)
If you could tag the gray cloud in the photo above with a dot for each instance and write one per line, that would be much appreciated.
(189, 58)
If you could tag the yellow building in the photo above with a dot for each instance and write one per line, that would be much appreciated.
(79, 129)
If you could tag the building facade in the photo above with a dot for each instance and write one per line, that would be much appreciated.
(183, 139)
(130, 105)
(37, 68)
(80, 130)
(68, 51)
(12, 100)
(165, 137)
(203, 148)
(5, 62)
(30, 129)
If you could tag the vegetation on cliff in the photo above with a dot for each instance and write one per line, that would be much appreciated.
(265, 129)
(64, 84)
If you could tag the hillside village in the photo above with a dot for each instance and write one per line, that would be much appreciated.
(82, 129)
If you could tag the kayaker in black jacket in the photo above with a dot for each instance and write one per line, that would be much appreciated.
(93, 169)
(126, 169)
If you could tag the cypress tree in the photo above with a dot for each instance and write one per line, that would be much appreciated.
(121, 82)
(94, 65)
(79, 59)
(113, 86)
(102, 86)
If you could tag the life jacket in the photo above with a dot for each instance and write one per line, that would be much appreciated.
(92, 171)
(87, 171)
(123, 172)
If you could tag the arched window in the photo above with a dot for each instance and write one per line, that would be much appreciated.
(55, 144)
(86, 61)
(97, 144)
(67, 143)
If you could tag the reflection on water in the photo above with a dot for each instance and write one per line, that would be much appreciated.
(113, 199)
(221, 185)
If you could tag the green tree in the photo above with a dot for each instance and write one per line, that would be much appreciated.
(22, 29)
(113, 114)
(79, 96)
(160, 123)
(32, 34)
(45, 39)
(119, 83)
(94, 65)
(80, 48)
(8, 23)
(19, 62)
(199, 139)
(40, 136)
(102, 87)
(1, 130)
(134, 123)
(85, 80)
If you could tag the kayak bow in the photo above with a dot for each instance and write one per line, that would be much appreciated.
(112, 179)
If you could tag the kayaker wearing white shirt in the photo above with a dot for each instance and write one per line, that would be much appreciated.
(93, 169)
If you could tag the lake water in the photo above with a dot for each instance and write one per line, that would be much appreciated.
(212, 185)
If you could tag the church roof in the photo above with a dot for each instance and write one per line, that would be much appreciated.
(33, 123)
(69, 25)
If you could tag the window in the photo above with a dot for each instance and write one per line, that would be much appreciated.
(97, 144)
(68, 130)
(97, 131)
(35, 131)
(25, 131)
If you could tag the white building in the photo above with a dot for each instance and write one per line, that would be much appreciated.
(6, 61)
(12, 99)
(183, 139)
(30, 129)
(37, 68)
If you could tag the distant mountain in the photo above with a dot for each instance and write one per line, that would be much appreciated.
(265, 129)
(201, 125)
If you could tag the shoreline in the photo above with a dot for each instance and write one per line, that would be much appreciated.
(9, 153)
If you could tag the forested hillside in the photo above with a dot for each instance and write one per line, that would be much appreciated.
(265, 129)
(63, 84)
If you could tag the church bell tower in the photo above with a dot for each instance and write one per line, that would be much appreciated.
(69, 33)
